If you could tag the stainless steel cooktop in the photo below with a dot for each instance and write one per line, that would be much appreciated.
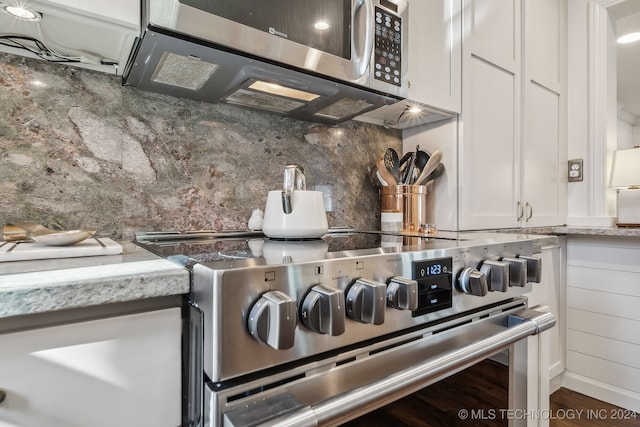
(246, 248)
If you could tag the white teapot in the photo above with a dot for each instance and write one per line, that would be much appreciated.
(294, 212)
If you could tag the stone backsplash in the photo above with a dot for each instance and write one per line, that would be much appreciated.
(79, 150)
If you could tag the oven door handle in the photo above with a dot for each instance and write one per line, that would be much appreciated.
(361, 400)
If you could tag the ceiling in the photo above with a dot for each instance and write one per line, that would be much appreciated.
(628, 60)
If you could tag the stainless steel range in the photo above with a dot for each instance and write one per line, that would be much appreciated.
(317, 332)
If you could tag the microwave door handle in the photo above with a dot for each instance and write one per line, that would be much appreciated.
(363, 49)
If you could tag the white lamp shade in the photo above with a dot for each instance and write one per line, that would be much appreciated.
(625, 170)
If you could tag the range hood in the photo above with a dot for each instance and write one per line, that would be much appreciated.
(274, 60)
(174, 64)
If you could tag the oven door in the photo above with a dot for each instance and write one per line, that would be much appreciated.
(346, 386)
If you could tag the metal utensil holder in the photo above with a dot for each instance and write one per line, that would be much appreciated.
(403, 207)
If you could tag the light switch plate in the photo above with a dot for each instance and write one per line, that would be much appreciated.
(575, 170)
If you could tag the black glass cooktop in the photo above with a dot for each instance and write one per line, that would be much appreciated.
(238, 249)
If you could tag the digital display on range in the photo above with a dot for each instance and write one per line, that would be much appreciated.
(434, 277)
(432, 267)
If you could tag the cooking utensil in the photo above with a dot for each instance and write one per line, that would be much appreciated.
(439, 170)
(410, 166)
(384, 172)
(392, 163)
(403, 166)
(422, 157)
(376, 179)
(433, 162)
(381, 181)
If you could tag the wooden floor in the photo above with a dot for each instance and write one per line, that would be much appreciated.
(478, 396)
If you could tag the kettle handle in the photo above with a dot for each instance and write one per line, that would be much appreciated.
(293, 180)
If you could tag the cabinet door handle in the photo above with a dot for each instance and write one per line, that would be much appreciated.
(520, 211)
(3, 395)
(530, 208)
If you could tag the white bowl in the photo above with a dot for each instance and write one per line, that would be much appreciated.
(62, 238)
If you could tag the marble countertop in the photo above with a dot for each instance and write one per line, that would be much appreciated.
(580, 230)
(29, 287)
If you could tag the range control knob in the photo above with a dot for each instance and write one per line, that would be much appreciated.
(322, 310)
(272, 320)
(534, 268)
(402, 293)
(366, 301)
(497, 274)
(517, 271)
(472, 282)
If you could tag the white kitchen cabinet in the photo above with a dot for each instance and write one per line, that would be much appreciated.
(435, 53)
(118, 371)
(544, 186)
(550, 294)
(491, 109)
(491, 31)
(512, 140)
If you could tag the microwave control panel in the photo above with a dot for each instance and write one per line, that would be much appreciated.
(388, 43)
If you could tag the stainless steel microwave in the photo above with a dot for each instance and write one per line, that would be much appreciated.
(330, 48)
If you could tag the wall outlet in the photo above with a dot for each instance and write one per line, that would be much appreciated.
(575, 170)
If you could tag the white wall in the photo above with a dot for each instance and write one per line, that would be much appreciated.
(591, 117)
(442, 204)
(628, 129)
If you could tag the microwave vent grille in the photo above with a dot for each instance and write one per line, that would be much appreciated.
(188, 72)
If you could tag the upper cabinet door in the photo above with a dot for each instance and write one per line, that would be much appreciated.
(544, 27)
(489, 139)
(544, 158)
(489, 147)
(435, 53)
(492, 31)
(544, 190)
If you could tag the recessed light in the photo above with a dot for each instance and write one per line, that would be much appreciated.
(21, 13)
(321, 25)
(629, 38)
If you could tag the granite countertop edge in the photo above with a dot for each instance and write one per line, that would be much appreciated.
(31, 287)
(571, 230)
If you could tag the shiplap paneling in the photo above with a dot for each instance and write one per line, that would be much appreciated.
(604, 325)
(605, 371)
(604, 303)
(621, 352)
(610, 255)
(605, 280)
(603, 318)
